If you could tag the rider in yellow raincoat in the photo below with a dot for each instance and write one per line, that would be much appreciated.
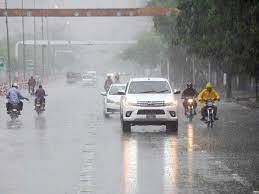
(208, 94)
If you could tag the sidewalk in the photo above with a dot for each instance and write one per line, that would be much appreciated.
(245, 99)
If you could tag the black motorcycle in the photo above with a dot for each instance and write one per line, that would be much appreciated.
(190, 112)
(39, 106)
(210, 112)
(14, 111)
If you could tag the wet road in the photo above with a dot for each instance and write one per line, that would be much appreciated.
(73, 149)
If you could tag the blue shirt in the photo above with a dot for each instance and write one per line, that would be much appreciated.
(14, 96)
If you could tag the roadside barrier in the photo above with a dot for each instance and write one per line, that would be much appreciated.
(23, 84)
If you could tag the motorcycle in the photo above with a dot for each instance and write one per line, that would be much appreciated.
(39, 106)
(190, 108)
(210, 112)
(14, 111)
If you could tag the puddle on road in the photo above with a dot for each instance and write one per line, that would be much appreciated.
(14, 124)
(172, 164)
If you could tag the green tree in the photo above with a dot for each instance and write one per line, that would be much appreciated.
(223, 32)
(149, 50)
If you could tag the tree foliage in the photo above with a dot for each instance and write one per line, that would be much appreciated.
(225, 33)
(149, 50)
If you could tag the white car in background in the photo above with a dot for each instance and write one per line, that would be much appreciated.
(149, 101)
(112, 99)
(89, 78)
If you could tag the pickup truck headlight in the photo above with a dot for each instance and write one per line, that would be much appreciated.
(171, 103)
(110, 100)
(130, 103)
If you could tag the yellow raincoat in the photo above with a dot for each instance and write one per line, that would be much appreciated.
(206, 95)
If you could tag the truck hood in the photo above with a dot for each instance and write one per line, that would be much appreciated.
(150, 97)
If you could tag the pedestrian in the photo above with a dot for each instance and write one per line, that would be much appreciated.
(31, 85)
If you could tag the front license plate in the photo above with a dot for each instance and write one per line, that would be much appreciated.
(151, 116)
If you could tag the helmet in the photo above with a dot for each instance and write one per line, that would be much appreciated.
(208, 85)
(189, 85)
(15, 85)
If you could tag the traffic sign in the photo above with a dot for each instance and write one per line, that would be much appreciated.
(2, 63)
(29, 66)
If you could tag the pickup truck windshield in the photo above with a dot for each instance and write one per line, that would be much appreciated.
(149, 87)
(115, 90)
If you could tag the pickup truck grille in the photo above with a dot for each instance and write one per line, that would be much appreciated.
(151, 103)
(153, 112)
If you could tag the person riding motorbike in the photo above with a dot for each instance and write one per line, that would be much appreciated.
(117, 79)
(40, 94)
(108, 83)
(14, 97)
(189, 92)
(208, 94)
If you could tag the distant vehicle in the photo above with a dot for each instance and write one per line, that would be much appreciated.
(149, 101)
(92, 73)
(73, 77)
(89, 78)
(112, 99)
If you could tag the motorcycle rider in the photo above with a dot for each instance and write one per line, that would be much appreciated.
(108, 83)
(189, 92)
(117, 79)
(31, 85)
(40, 94)
(14, 96)
(208, 94)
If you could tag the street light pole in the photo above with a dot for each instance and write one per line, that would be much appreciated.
(209, 72)
(42, 51)
(48, 49)
(8, 48)
(193, 71)
(23, 46)
(34, 29)
(168, 70)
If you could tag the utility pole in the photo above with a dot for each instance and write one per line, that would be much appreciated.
(257, 83)
(209, 72)
(23, 46)
(48, 49)
(42, 49)
(34, 52)
(193, 71)
(168, 70)
(8, 47)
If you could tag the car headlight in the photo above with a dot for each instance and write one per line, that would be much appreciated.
(171, 103)
(110, 100)
(130, 103)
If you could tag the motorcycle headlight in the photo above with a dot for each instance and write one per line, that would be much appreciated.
(171, 103)
(190, 101)
(110, 100)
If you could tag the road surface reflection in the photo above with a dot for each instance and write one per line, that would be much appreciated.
(151, 163)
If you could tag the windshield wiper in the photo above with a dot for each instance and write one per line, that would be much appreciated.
(153, 91)
(150, 91)
(162, 91)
